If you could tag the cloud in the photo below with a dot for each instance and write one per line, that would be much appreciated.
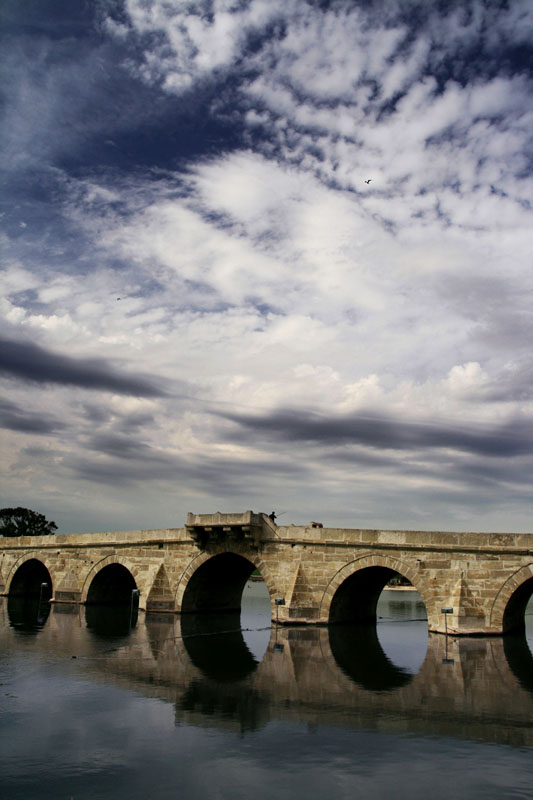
(385, 433)
(20, 419)
(126, 462)
(120, 447)
(205, 162)
(183, 44)
(29, 362)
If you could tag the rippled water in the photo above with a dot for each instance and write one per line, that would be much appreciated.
(97, 705)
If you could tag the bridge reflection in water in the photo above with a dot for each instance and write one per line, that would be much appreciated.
(344, 675)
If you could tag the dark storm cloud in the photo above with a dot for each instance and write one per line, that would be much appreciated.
(96, 415)
(126, 447)
(19, 419)
(132, 422)
(461, 469)
(479, 473)
(29, 362)
(120, 421)
(121, 466)
(125, 461)
(41, 452)
(385, 433)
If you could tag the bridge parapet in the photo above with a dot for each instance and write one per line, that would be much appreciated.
(438, 541)
(65, 541)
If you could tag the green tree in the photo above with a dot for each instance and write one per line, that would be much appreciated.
(24, 522)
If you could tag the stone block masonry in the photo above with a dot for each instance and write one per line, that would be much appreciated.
(324, 575)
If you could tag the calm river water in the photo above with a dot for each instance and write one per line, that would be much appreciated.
(194, 708)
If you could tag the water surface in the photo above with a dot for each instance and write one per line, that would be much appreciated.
(97, 705)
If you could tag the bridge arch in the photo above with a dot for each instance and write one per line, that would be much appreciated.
(508, 609)
(27, 575)
(365, 579)
(215, 581)
(111, 569)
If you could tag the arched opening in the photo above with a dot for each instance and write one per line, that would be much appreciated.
(113, 585)
(30, 590)
(32, 579)
(112, 602)
(514, 616)
(256, 615)
(402, 628)
(217, 585)
(217, 604)
(357, 597)
(382, 641)
(518, 644)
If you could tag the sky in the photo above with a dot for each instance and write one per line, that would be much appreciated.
(269, 255)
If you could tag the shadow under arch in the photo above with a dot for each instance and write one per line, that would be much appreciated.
(359, 654)
(211, 617)
(216, 646)
(515, 645)
(520, 659)
(508, 610)
(217, 584)
(514, 616)
(111, 621)
(28, 613)
(112, 603)
(352, 594)
(31, 579)
(30, 590)
(356, 597)
(353, 597)
(111, 585)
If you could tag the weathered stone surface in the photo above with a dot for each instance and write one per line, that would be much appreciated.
(485, 578)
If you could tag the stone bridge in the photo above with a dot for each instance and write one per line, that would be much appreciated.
(315, 575)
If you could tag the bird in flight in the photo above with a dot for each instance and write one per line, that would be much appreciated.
(368, 181)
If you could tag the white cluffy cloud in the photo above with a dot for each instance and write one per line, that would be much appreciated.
(218, 309)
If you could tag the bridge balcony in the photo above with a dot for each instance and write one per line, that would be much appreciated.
(215, 529)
